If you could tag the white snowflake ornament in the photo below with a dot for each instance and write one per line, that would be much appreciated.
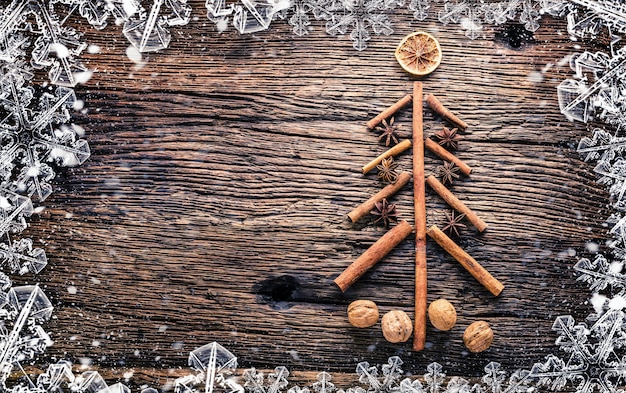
(249, 16)
(216, 364)
(595, 359)
(359, 17)
(148, 31)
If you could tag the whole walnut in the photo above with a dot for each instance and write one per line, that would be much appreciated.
(442, 314)
(397, 326)
(478, 336)
(362, 313)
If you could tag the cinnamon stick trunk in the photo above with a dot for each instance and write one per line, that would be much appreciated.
(419, 190)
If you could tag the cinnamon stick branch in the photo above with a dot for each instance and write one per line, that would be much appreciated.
(389, 111)
(474, 268)
(372, 255)
(444, 112)
(456, 203)
(419, 191)
(397, 149)
(447, 156)
(358, 212)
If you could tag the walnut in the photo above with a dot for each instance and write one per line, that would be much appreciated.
(442, 314)
(397, 326)
(478, 336)
(362, 313)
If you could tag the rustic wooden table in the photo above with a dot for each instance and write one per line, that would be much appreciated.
(213, 207)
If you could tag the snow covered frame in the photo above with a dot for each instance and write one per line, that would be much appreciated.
(38, 139)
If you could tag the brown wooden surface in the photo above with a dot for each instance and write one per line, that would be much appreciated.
(214, 205)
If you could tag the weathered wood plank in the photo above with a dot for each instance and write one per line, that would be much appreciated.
(213, 206)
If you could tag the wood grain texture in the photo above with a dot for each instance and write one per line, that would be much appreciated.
(214, 204)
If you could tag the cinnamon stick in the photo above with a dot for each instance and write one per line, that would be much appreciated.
(387, 113)
(358, 212)
(474, 268)
(447, 156)
(397, 149)
(419, 191)
(444, 112)
(372, 255)
(456, 203)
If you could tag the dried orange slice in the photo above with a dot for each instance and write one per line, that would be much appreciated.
(419, 53)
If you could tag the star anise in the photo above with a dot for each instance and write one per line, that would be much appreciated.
(386, 170)
(453, 223)
(448, 172)
(448, 138)
(389, 131)
(385, 211)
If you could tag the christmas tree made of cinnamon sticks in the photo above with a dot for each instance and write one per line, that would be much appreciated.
(379, 206)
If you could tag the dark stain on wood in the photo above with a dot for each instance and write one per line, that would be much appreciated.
(213, 206)
(515, 35)
(278, 292)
